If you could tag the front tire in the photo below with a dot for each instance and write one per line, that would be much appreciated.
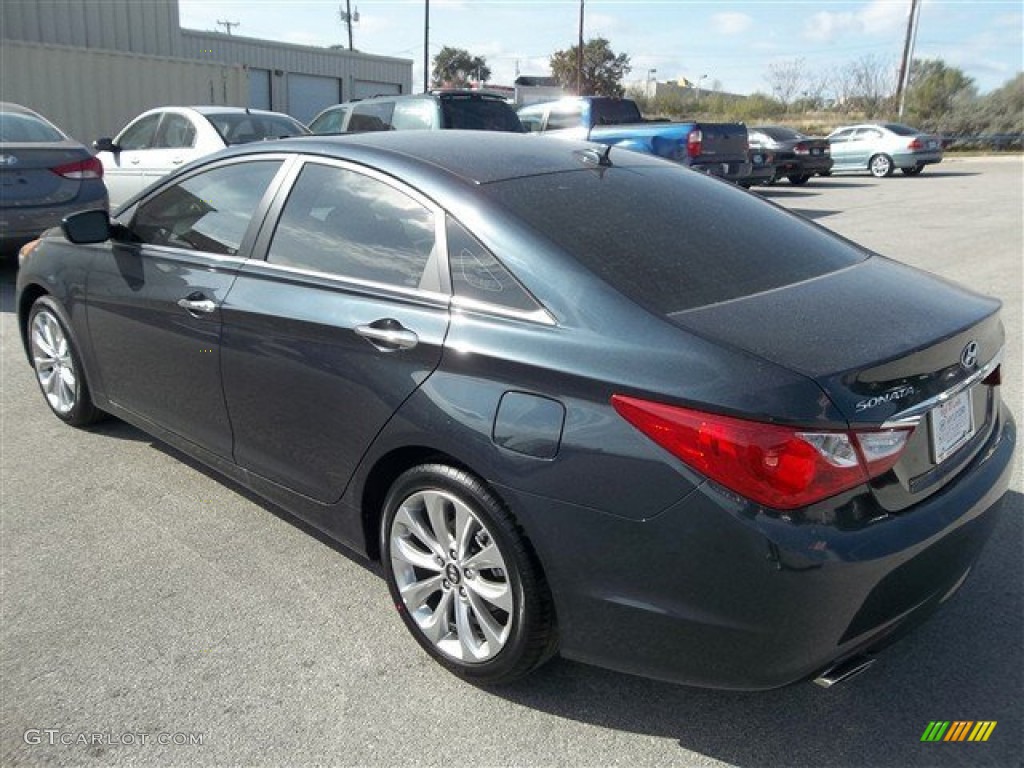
(463, 576)
(880, 166)
(58, 365)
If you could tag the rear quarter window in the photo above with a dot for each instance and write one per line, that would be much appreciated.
(670, 239)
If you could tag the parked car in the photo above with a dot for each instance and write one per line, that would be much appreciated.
(717, 149)
(585, 401)
(798, 157)
(434, 110)
(881, 148)
(161, 140)
(44, 176)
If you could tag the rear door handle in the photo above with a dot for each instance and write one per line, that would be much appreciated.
(197, 306)
(388, 335)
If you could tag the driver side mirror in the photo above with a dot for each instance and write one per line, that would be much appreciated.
(87, 227)
(105, 144)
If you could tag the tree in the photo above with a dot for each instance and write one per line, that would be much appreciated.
(787, 79)
(456, 67)
(935, 90)
(871, 82)
(602, 69)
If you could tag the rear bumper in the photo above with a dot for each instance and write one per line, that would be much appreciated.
(713, 592)
(801, 166)
(916, 159)
(19, 225)
(730, 171)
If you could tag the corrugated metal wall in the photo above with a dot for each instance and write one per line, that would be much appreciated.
(91, 93)
(137, 26)
(282, 59)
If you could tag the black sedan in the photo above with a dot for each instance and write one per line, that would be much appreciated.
(572, 398)
(797, 157)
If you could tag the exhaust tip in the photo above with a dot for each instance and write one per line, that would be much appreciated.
(843, 671)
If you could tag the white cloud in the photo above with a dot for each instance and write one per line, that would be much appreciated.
(732, 23)
(884, 15)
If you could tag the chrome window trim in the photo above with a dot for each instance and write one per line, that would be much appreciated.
(540, 315)
(912, 416)
(256, 266)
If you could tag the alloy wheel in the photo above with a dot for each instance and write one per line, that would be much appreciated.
(54, 363)
(451, 576)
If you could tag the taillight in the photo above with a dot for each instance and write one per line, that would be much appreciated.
(915, 144)
(777, 466)
(693, 143)
(91, 168)
(801, 149)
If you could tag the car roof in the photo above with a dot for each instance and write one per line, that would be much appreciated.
(221, 110)
(479, 157)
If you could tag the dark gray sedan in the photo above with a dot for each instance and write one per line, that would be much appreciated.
(572, 398)
(44, 176)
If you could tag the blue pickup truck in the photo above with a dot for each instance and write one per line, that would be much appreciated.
(718, 149)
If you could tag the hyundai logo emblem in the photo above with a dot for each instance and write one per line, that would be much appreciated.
(969, 357)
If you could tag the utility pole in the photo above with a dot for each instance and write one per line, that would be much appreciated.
(904, 76)
(228, 25)
(579, 56)
(348, 19)
(426, 46)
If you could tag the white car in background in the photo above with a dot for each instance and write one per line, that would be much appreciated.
(162, 140)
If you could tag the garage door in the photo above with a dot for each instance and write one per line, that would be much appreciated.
(365, 89)
(308, 94)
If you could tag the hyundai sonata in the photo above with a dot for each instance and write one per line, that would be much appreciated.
(573, 398)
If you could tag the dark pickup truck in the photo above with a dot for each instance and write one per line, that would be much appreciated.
(718, 149)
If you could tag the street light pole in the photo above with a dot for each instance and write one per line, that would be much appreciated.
(579, 56)
(700, 80)
(349, 19)
(426, 46)
(651, 72)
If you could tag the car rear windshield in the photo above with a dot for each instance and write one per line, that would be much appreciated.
(476, 114)
(670, 239)
(901, 130)
(241, 128)
(614, 112)
(18, 128)
(780, 133)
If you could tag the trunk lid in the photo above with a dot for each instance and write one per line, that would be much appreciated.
(887, 344)
(26, 178)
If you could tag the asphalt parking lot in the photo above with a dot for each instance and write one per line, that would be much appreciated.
(146, 601)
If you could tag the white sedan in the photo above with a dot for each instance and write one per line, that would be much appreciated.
(162, 140)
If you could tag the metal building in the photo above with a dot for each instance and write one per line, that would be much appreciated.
(91, 65)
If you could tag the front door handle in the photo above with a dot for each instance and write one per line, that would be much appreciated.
(388, 335)
(197, 306)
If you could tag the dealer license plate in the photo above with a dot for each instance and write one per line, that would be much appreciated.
(952, 426)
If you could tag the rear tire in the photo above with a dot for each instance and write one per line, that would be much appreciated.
(463, 576)
(58, 365)
(913, 171)
(880, 166)
(799, 179)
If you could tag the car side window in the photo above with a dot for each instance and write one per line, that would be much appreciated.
(564, 117)
(532, 122)
(209, 212)
(478, 275)
(414, 115)
(371, 116)
(867, 134)
(141, 134)
(351, 225)
(330, 121)
(841, 137)
(176, 132)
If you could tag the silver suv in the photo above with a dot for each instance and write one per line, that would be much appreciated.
(434, 110)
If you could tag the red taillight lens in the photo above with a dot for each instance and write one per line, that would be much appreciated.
(801, 149)
(693, 143)
(915, 144)
(779, 467)
(91, 168)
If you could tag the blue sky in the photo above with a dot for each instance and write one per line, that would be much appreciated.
(733, 43)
